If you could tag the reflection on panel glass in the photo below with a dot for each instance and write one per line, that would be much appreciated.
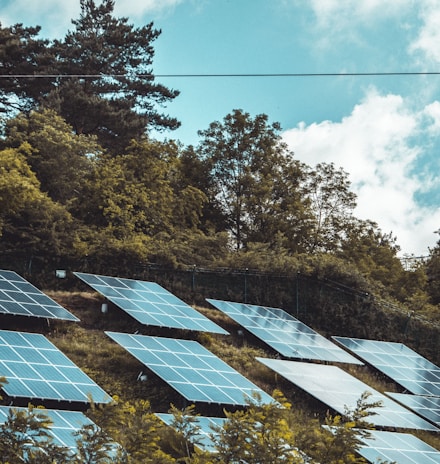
(149, 303)
(401, 448)
(36, 369)
(192, 370)
(285, 334)
(400, 363)
(340, 391)
(426, 406)
(19, 297)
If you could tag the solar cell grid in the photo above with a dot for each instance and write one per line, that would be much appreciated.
(19, 297)
(340, 391)
(285, 334)
(191, 369)
(401, 448)
(399, 362)
(149, 303)
(426, 406)
(36, 369)
(64, 424)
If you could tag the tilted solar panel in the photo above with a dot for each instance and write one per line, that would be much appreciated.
(284, 333)
(149, 303)
(206, 429)
(36, 369)
(397, 361)
(20, 298)
(400, 448)
(426, 406)
(191, 369)
(340, 391)
(63, 427)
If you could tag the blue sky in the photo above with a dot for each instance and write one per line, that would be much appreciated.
(383, 130)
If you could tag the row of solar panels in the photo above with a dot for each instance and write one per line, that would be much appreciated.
(185, 368)
(200, 377)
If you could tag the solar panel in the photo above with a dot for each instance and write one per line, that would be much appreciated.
(63, 427)
(401, 448)
(206, 427)
(192, 370)
(397, 361)
(149, 303)
(426, 406)
(37, 369)
(20, 298)
(285, 334)
(340, 390)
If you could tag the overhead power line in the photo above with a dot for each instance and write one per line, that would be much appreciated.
(194, 75)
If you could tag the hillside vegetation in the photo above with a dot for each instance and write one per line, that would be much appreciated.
(85, 187)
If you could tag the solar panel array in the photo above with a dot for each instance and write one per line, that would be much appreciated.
(284, 333)
(149, 303)
(340, 391)
(206, 429)
(397, 361)
(401, 448)
(35, 368)
(426, 406)
(63, 427)
(192, 370)
(19, 297)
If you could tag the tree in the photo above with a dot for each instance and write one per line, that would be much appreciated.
(21, 54)
(60, 159)
(98, 78)
(254, 178)
(135, 428)
(18, 184)
(331, 203)
(25, 437)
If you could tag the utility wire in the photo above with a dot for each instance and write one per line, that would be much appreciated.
(342, 74)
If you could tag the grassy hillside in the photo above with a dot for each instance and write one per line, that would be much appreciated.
(117, 371)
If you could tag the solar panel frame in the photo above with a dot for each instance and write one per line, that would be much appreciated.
(191, 369)
(19, 297)
(400, 363)
(149, 303)
(36, 369)
(340, 390)
(284, 333)
(402, 448)
(64, 424)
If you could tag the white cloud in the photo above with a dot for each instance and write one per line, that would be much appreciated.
(375, 146)
(136, 10)
(331, 13)
(427, 44)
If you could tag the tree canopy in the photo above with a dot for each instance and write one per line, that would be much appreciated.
(98, 78)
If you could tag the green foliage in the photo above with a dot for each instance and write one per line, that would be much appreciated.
(253, 178)
(119, 98)
(25, 437)
(59, 158)
(135, 427)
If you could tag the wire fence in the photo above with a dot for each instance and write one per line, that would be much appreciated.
(331, 307)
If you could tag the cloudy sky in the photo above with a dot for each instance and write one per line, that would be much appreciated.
(383, 130)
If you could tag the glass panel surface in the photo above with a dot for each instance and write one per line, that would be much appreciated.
(284, 333)
(403, 365)
(191, 369)
(340, 391)
(21, 298)
(149, 303)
